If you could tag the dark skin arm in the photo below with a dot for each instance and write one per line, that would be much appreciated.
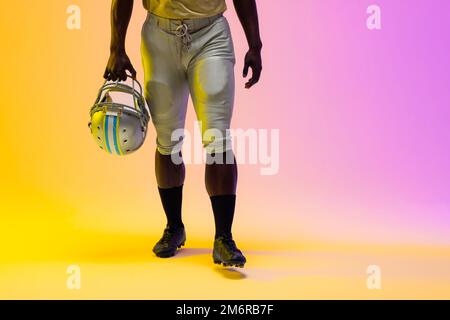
(248, 16)
(119, 63)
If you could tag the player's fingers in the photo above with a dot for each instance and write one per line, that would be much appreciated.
(132, 71)
(121, 74)
(113, 76)
(256, 73)
(249, 84)
(245, 72)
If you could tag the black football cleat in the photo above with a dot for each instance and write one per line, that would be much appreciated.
(226, 253)
(171, 240)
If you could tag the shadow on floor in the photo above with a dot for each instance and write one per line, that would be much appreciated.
(230, 273)
(189, 252)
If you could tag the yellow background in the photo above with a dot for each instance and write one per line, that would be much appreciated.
(64, 202)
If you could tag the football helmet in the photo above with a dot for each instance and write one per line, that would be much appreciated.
(119, 127)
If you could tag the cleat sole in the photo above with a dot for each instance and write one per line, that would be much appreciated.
(226, 264)
(181, 245)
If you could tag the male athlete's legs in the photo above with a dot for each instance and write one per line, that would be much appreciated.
(167, 95)
(212, 87)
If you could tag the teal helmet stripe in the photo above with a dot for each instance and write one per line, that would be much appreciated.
(116, 143)
(108, 148)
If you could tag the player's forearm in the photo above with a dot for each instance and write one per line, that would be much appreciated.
(120, 18)
(248, 15)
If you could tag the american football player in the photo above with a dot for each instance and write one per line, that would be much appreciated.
(187, 49)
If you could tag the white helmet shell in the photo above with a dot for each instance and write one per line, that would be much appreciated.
(119, 128)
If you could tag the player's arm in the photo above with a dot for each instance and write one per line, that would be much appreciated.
(119, 62)
(248, 15)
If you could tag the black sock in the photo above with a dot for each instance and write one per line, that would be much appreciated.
(223, 208)
(171, 199)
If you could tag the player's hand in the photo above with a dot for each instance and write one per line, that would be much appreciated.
(118, 65)
(253, 61)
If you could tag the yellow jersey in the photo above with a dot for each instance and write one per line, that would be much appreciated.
(185, 9)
